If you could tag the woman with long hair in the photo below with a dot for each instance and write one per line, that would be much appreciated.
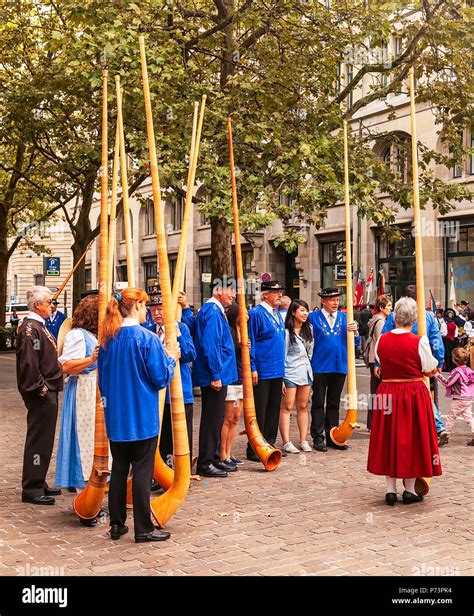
(235, 396)
(299, 344)
(79, 362)
(133, 367)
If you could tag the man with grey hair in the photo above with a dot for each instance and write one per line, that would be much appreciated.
(39, 379)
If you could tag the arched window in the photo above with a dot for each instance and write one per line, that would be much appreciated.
(149, 219)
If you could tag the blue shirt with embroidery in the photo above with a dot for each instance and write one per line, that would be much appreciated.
(132, 368)
(53, 325)
(188, 317)
(215, 355)
(149, 324)
(267, 338)
(330, 346)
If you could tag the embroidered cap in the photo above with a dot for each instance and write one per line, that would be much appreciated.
(330, 292)
(271, 285)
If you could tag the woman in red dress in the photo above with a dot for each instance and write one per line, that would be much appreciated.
(403, 442)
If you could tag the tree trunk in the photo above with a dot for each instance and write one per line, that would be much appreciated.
(221, 248)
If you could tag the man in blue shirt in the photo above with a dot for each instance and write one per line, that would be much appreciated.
(54, 322)
(267, 357)
(437, 347)
(329, 363)
(214, 369)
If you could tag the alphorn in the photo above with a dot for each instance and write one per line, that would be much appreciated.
(268, 455)
(87, 503)
(71, 273)
(162, 473)
(163, 507)
(422, 484)
(341, 434)
(113, 213)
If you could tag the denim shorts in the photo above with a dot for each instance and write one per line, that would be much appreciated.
(290, 384)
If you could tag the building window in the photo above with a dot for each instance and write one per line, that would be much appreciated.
(333, 266)
(172, 265)
(397, 260)
(122, 227)
(471, 168)
(151, 274)
(177, 211)
(350, 73)
(88, 278)
(149, 219)
(205, 276)
(396, 157)
(39, 280)
(398, 46)
(460, 257)
(122, 273)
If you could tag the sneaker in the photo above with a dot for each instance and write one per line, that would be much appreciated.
(290, 448)
(305, 446)
(236, 460)
(443, 438)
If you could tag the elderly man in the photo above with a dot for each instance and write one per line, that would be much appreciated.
(214, 369)
(329, 363)
(267, 354)
(284, 305)
(39, 380)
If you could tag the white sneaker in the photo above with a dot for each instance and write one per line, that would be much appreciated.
(290, 448)
(305, 446)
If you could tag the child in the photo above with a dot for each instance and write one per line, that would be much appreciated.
(460, 387)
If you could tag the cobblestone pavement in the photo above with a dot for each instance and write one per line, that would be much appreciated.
(318, 514)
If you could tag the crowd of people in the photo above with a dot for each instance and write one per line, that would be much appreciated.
(298, 360)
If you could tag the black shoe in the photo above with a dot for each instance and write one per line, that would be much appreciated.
(391, 498)
(236, 461)
(443, 438)
(224, 465)
(116, 531)
(409, 498)
(38, 500)
(211, 471)
(283, 453)
(252, 456)
(155, 486)
(230, 462)
(333, 445)
(92, 522)
(320, 446)
(52, 492)
(72, 490)
(155, 535)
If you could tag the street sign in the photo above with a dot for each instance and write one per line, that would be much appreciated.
(52, 266)
(12, 299)
(266, 277)
(340, 272)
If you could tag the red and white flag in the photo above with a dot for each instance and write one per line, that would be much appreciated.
(369, 285)
(359, 291)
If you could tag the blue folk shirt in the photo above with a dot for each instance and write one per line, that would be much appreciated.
(149, 324)
(432, 331)
(188, 355)
(215, 354)
(132, 368)
(189, 318)
(54, 325)
(330, 346)
(267, 338)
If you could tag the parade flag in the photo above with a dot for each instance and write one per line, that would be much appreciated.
(432, 302)
(380, 283)
(359, 291)
(369, 284)
(452, 290)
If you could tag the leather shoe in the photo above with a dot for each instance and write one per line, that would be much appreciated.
(340, 447)
(116, 531)
(52, 492)
(391, 498)
(211, 471)
(409, 498)
(38, 500)
(252, 456)
(94, 521)
(224, 465)
(156, 535)
(320, 446)
(155, 486)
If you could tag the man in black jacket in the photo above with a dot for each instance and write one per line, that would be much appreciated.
(39, 379)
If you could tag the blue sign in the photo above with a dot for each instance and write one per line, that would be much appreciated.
(52, 266)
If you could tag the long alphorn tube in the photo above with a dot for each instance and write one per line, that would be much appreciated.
(71, 273)
(341, 434)
(123, 174)
(269, 456)
(87, 503)
(422, 484)
(164, 507)
(162, 473)
(113, 212)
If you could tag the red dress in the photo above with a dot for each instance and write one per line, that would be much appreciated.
(403, 441)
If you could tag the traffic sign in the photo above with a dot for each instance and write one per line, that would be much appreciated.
(52, 266)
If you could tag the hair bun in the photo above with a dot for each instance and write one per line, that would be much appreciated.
(118, 296)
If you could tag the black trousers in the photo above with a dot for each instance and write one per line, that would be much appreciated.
(141, 456)
(327, 389)
(374, 383)
(212, 418)
(41, 426)
(267, 396)
(166, 431)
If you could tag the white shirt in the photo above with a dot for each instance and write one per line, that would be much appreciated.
(36, 317)
(269, 309)
(213, 300)
(428, 362)
(128, 322)
(327, 315)
(74, 346)
(469, 328)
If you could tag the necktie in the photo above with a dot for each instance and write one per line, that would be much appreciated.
(331, 321)
(275, 314)
(161, 330)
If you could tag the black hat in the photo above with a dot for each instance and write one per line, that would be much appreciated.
(330, 292)
(90, 292)
(155, 300)
(271, 285)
